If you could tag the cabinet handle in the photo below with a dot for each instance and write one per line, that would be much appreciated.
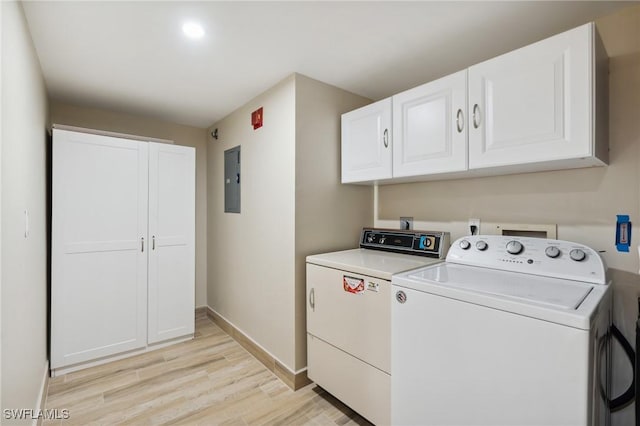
(385, 138)
(476, 116)
(460, 121)
(142, 244)
(153, 242)
(312, 298)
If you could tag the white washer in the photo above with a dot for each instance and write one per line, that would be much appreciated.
(509, 331)
(349, 314)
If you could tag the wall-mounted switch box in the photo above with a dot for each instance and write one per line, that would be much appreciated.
(232, 180)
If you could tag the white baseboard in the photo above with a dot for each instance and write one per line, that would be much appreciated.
(42, 395)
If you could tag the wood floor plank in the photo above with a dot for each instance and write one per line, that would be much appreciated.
(210, 380)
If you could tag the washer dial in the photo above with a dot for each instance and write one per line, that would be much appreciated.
(514, 247)
(464, 245)
(552, 252)
(482, 245)
(577, 255)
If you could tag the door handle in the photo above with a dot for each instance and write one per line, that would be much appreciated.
(142, 244)
(476, 116)
(312, 299)
(460, 121)
(385, 138)
(153, 242)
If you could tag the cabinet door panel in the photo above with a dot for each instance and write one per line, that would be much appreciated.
(533, 104)
(172, 248)
(338, 317)
(99, 268)
(429, 127)
(366, 143)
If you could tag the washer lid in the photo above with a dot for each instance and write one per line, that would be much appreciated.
(552, 292)
(562, 301)
(378, 264)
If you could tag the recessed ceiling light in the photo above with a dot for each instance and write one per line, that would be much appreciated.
(193, 30)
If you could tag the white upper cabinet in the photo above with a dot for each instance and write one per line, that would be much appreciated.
(366, 143)
(535, 106)
(542, 107)
(430, 128)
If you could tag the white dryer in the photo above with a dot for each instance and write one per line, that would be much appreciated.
(508, 331)
(349, 314)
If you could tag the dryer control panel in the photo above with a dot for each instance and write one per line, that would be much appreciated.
(421, 243)
(537, 256)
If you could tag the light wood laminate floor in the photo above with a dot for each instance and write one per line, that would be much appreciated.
(210, 380)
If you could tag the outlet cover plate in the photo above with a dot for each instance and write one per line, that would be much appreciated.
(476, 223)
(406, 223)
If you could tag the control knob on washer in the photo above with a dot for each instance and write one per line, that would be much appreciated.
(482, 245)
(514, 247)
(577, 255)
(464, 245)
(552, 252)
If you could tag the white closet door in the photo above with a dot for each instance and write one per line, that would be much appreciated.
(99, 268)
(172, 234)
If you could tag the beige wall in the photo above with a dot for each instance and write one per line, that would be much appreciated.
(329, 215)
(23, 286)
(251, 254)
(292, 205)
(100, 119)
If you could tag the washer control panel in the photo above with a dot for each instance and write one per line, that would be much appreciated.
(421, 243)
(538, 256)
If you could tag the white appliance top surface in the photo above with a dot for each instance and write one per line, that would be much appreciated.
(555, 293)
(562, 301)
(374, 263)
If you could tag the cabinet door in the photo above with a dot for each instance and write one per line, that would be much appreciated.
(429, 128)
(172, 241)
(98, 247)
(533, 104)
(366, 143)
(357, 323)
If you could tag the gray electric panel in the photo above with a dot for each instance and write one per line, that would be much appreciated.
(232, 180)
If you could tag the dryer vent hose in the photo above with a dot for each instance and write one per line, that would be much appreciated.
(629, 395)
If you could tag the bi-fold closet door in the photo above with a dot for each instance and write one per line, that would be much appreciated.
(122, 245)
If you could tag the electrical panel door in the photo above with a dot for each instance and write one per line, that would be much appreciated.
(232, 180)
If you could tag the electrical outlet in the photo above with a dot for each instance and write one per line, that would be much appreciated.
(474, 227)
(406, 223)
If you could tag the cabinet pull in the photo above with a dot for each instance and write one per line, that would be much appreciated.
(312, 298)
(476, 116)
(153, 242)
(460, 121)
(142, 244)
(385, 138)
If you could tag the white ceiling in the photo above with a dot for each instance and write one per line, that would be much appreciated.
(132, 56)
